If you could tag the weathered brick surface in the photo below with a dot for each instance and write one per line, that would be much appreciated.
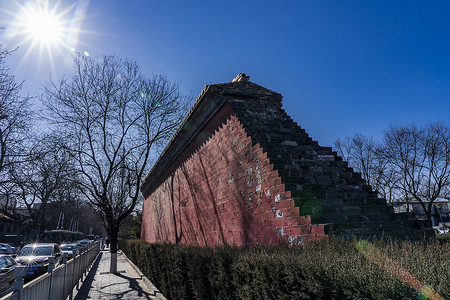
(224, 192)
(241, 171)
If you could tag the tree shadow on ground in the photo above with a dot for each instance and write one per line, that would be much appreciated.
(133, 291)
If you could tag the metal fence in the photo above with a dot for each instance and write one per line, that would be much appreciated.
(57, 284)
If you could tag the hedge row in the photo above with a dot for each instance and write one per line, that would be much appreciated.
(324, 270)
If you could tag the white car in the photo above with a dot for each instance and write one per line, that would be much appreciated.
(83, 245)
(70, 250)
(441, 230)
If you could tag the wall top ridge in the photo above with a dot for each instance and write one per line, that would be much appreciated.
(246, 90)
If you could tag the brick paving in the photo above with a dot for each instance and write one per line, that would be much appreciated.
(99, 284)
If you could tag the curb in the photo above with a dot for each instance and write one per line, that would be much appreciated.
(145, 280)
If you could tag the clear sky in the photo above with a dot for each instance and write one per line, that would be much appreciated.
(342, 66)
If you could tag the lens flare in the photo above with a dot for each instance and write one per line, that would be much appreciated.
(376, 256)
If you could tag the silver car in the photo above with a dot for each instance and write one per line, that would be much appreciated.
(70, 250)
(7, 267)
(35, 257)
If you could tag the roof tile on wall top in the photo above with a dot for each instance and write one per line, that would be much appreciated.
(246, 90)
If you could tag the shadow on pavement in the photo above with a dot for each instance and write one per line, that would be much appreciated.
(83, 292)
(134, 286)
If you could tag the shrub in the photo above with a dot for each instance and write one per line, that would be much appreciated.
(333, 269)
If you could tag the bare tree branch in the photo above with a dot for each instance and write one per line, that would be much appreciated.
(113, 120)
(410, 163)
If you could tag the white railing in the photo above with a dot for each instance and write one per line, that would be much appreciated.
(57, 284)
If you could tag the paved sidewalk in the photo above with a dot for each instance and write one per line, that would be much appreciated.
(99, 284)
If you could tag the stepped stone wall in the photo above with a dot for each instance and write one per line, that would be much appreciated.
(241, 171)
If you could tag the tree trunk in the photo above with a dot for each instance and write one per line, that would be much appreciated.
(429, 220)
(428, 213)
(113, 250)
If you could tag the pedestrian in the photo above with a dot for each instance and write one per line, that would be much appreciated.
(107, 242)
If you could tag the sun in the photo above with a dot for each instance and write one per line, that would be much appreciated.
(46, 31)
(44, 26)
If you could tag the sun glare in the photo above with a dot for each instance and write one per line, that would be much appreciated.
(44, 27)
(46, 30)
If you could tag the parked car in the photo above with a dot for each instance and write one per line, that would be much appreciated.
(441, 230)
(7, 267)
(7, 249)
(36, 256)
(83, 245)
(70, 249)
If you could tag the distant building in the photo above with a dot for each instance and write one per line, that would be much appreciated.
(440, 210)
(7, 225)
(8, 229)
(7, 204)
(13, 231)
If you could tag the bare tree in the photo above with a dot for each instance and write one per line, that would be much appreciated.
(15, 118)
(421, 160)
(113, 119)
(37, 181)
(361, 154)
(15, 122)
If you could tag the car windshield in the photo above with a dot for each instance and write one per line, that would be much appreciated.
(68, 247)
(37, 251)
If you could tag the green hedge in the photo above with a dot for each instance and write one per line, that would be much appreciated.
(323, 270)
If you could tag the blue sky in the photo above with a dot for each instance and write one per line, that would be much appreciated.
(342, 66)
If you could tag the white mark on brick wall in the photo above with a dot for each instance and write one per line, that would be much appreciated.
(295, 240)
(279, 213)
(280, 231)
(258, 188)
(267, 193)
(277, 198)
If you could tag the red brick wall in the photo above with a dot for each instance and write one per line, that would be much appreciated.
(223, 189)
